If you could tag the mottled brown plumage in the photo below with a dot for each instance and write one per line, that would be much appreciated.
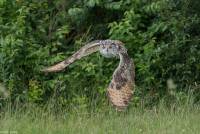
(120, 89)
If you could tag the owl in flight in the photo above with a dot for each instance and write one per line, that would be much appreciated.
(120, 89)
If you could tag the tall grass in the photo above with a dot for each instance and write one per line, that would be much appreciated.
(30, 119)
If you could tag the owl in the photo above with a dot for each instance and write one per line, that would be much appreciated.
(120, 89)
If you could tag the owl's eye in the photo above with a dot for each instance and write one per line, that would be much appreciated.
(118, 47)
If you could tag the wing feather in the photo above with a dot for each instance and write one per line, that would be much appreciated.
(84, 51)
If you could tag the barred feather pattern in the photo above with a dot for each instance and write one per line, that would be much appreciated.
(120, 90)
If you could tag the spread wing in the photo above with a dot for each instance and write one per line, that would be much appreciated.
(84, 51)
(121, 87)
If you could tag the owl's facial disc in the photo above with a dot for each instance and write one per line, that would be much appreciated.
(109, 49)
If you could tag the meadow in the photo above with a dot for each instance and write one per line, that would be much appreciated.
(158, 120)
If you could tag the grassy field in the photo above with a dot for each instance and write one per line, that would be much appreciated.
(182, 120)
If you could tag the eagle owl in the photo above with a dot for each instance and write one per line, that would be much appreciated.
(120, 89)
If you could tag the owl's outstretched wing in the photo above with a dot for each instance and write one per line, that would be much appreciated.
(121, 87)
(84, 51)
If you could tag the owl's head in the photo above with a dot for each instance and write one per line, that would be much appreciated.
(111, 48)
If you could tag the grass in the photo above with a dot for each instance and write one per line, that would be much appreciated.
(182, 120)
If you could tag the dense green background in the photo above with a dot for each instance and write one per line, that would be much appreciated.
(162, 36)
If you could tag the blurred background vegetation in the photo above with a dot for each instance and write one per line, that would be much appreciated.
(162, 36)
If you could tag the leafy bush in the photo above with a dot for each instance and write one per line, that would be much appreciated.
(162, 36)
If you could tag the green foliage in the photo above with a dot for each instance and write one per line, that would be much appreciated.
(162, 36)
(35, 92)
(156, 35)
